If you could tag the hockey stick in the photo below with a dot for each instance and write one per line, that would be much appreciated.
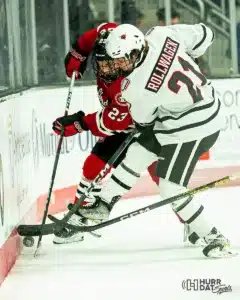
(154, 205)
(55, 164)
(35, 230)
(61, 223)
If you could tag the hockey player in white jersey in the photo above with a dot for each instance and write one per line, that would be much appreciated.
(177, 113)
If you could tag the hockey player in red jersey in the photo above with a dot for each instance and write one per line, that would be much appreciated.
(112, 124)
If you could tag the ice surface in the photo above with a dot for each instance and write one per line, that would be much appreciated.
(141, 258)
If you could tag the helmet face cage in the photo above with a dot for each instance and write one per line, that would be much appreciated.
(103, 68)
(110, 69)
(102, 63)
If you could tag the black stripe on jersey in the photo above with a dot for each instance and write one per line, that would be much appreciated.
(194, 217)
(205, 144)
(173, 154)
(213, 93)
(119, 182)
(203, 38)
(191, 125)
(198, 108)
(163, 165)
(129, 170)
(181, 161)
(155, 111)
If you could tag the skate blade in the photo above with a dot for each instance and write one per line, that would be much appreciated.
(62, 242)
(96, 235)
(95, 222)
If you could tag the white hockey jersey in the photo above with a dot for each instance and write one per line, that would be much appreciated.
(168, 87)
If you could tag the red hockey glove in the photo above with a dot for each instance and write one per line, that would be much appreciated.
(74, 61)
(71, 124)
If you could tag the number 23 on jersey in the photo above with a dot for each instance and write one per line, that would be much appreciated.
(116, 115)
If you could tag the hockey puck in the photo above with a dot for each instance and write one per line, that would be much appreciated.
(28, 241)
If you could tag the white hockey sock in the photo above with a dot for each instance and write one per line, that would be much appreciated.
(127, 173)
(84, 185)
(189, 208)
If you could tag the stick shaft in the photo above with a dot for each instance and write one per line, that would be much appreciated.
(97, 179)
(160, 203)
(68, 101)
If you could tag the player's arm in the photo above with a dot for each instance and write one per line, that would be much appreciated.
(195, 38)
(103, 123)
(70, 125)
(142, 114)
(109, 121)
(76, 58)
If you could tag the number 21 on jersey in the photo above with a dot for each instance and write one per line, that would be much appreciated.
(182, 76)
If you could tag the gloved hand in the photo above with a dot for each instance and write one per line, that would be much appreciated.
(74, 61)
(71, 124)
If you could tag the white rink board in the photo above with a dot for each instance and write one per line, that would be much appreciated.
(28, 147)
(227, 147)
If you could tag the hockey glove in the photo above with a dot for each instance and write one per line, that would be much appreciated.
(70, 125)
(75, 61)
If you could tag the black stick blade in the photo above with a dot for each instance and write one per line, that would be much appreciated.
(35, 230)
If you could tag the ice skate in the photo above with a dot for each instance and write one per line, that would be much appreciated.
(217, 245)
(191, 238)
(66, 236)
(97, 211)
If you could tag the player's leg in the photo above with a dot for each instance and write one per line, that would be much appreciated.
(173, 168)
(127, 173)
(91, 168)
(176, 170)
(156, 179)
(94, 163)
(137, 159)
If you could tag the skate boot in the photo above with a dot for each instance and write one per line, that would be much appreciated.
(66, 236)
(217, 245)
(192, 238)
(97, 211)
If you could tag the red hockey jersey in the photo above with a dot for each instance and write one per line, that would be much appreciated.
(114, 116)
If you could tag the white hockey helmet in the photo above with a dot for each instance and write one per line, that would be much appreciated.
(123, 40)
